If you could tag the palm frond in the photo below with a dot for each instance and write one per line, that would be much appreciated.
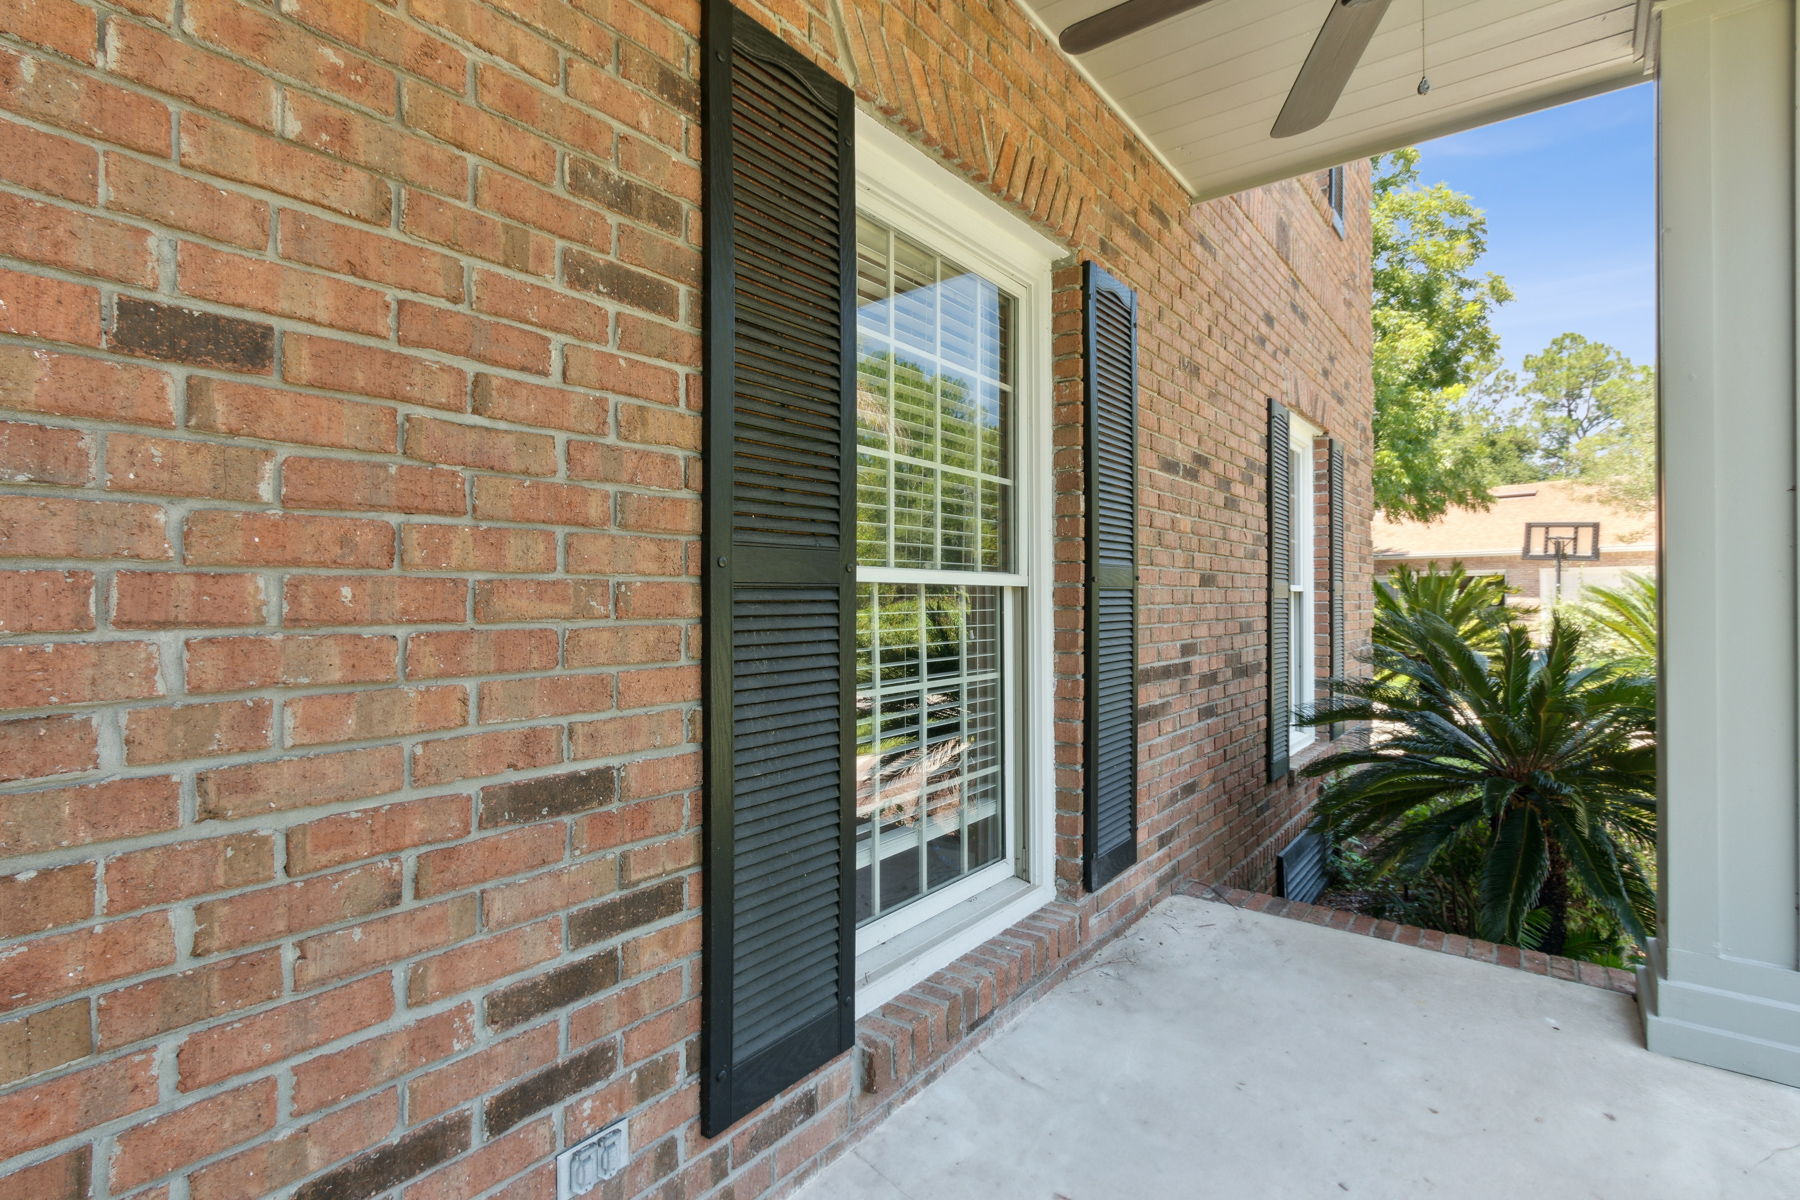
(1513, 874)
(1628, 612)
(1594, 858)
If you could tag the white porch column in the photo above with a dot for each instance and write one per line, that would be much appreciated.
(1723, 986)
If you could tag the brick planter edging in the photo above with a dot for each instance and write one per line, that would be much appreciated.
(1611, 979)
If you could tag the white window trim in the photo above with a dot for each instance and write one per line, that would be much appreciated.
(904, 188)
(1303, 574)
(1336, 183)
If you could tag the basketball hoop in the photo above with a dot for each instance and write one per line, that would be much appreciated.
(1567, 541)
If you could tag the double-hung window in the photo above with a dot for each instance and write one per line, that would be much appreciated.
(952, 657)
(1306, 567)
(937, 595)
(1302, 576)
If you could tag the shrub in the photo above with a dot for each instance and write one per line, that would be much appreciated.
(1527, 773)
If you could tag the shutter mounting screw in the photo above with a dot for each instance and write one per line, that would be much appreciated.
(720, 560)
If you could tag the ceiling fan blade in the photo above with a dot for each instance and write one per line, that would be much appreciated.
(1329, 65)
(1121, 20)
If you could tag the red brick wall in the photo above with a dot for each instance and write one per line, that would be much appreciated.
(348, 431)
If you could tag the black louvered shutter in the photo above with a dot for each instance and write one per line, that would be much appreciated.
(1111, 353)
(1281, 536)
(780, 600)
(1335, 478)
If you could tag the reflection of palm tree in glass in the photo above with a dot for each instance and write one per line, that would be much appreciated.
(912, 777)
(928, 724)
(921, 741)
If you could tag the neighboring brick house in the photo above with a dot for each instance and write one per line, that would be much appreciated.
(1605, 542)
(352, 736)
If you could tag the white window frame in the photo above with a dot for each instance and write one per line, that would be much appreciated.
(1334, 197)
(1303, 575)
(905, 189)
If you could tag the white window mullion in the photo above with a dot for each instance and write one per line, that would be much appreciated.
(965, 722)
(922, 709)
(1001, 579)
(875, 724)
(893, 406)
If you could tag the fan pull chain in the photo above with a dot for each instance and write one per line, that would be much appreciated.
(1424, 76)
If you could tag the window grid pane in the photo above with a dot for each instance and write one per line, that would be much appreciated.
(929, 768)
(934, 393)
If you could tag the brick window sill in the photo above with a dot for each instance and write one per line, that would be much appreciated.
(917, 1035)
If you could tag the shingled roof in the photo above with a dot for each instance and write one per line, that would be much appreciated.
(1500, 531)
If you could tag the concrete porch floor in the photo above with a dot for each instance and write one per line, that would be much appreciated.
(1216, 1052)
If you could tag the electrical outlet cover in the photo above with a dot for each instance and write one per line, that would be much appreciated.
(592, 1161)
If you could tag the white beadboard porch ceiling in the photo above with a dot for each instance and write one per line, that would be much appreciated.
(1203, 88)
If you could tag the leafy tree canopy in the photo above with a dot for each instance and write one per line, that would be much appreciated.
(1449, 423)
(1593, 414)
(1434, 344)
(1583, 411)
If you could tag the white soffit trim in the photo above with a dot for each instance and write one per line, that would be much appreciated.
(1203, 88)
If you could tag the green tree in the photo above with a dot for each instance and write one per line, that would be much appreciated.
(1486, 431)
(1434, 343)
(1591, 410)
(1619, 460)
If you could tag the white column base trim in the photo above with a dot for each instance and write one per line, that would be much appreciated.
(1750, 1034)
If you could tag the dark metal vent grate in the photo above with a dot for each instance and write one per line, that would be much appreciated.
(1300, 869)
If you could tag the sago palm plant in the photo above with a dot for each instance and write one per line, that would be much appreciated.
(1474, 605)
(1546, 764)
(1624, 616)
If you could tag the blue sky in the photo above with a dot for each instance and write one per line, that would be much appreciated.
(1571, 202)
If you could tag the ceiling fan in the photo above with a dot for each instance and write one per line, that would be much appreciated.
(1328, 66)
